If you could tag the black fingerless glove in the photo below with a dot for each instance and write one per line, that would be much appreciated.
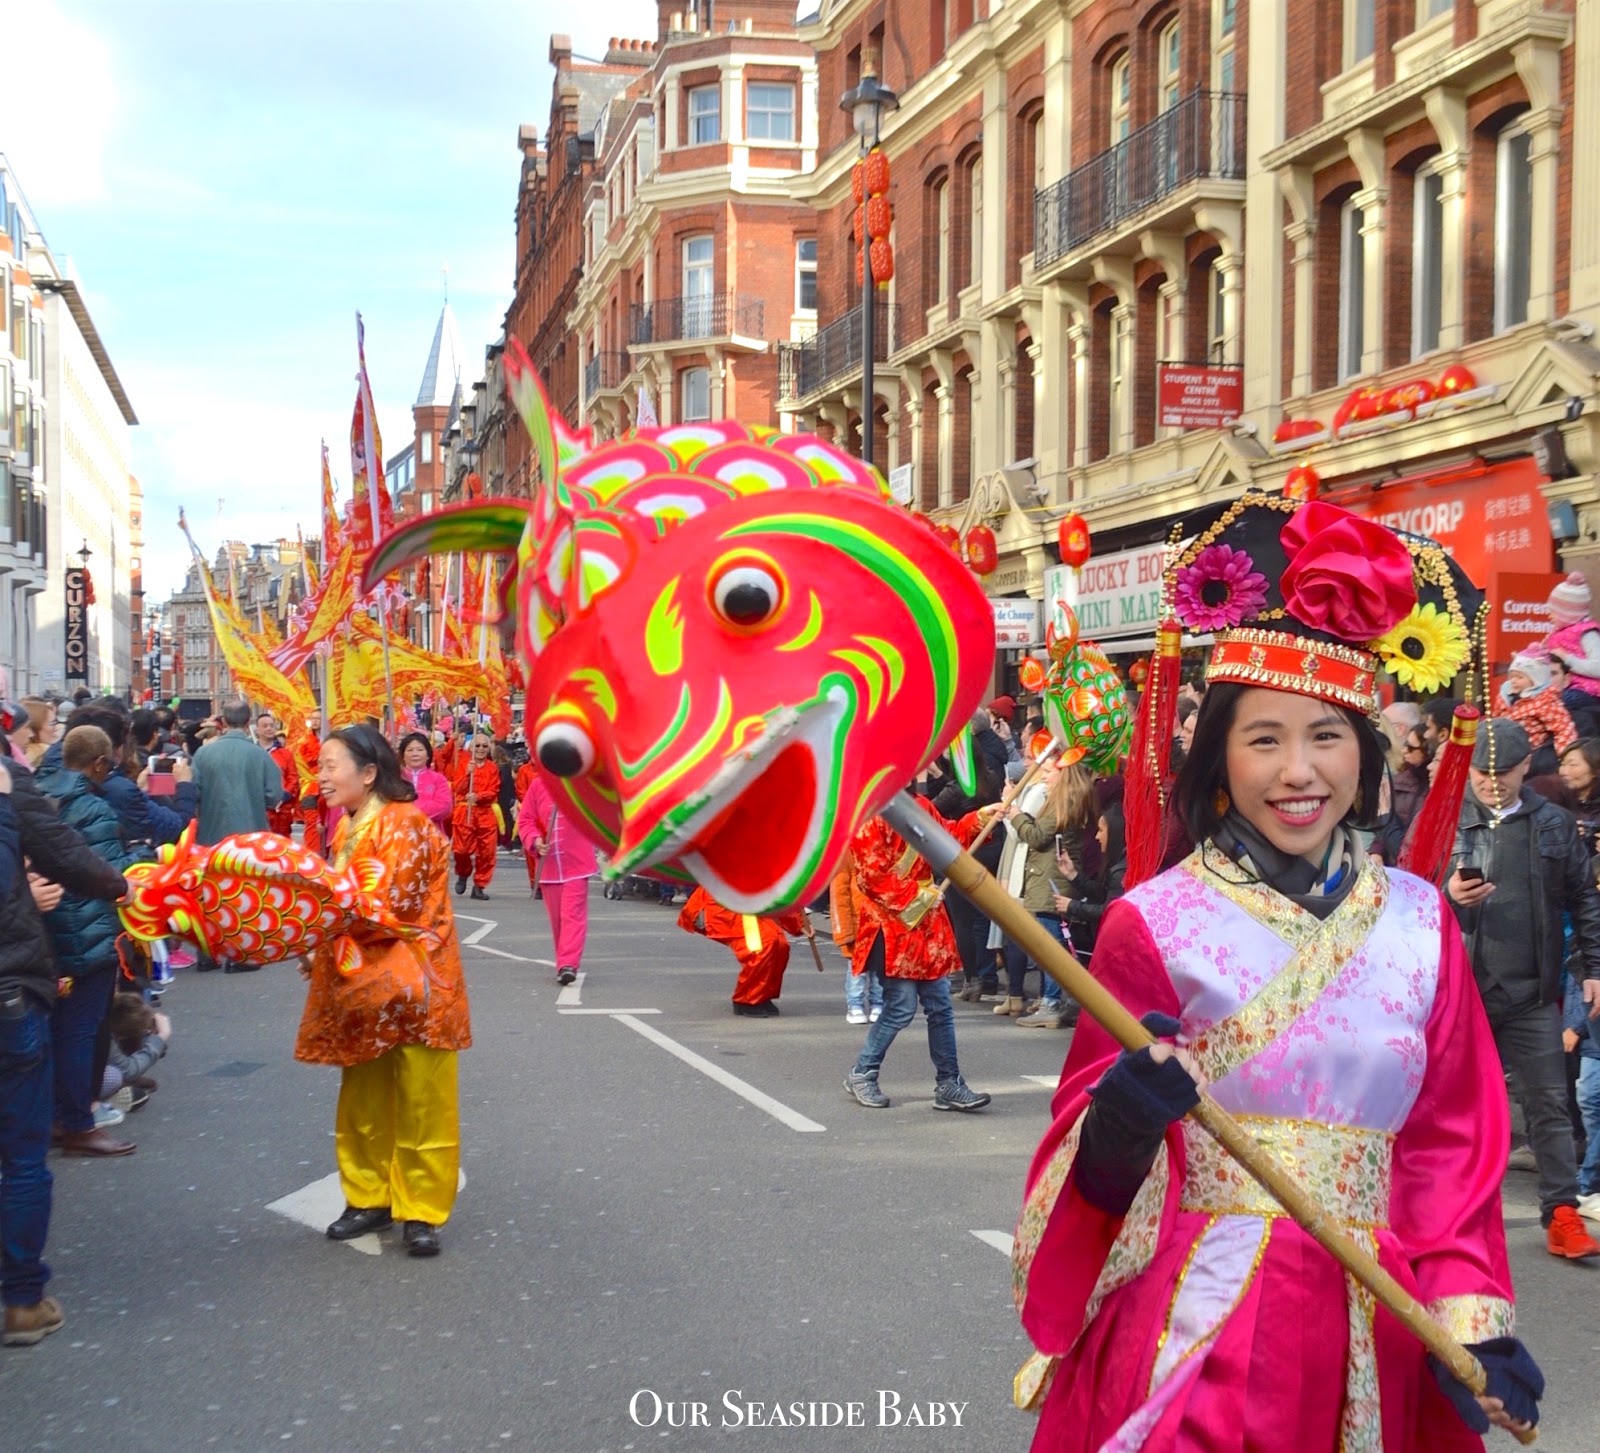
(1512, 1376)
(1135, 1101)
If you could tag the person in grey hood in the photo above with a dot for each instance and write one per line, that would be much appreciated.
(1519, 864)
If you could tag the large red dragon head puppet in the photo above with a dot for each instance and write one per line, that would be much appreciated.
(737, 648)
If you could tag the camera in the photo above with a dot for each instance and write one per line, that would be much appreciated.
(11, 715)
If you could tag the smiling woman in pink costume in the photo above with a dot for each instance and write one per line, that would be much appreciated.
(1327, 1002)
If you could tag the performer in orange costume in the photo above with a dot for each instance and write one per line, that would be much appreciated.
(313, 810)
(760, 972)
(524, 780)
(477, 786)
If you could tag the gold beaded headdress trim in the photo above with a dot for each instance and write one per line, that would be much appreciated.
(1285, 662)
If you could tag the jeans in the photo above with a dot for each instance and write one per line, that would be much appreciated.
(971, 929)
(1017, 964)
(25, 1075)
(857, 988)
(1589, 1104)
(75, 1028)
(1528, 1037)
(900, 1000)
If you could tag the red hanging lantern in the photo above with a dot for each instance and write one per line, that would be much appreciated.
(880, 217)
(1072, 538)
(949, 536)
(1031, 673)
(858, 228)
(1457, 379)
(1302, 482)
(1291, 429)
(861, 268)
(882, 261)
(983, 551)
(877, 172)
(858, 182)
(1139, 672)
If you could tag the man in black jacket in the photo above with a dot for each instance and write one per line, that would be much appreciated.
(1519, 865)
(30, 829)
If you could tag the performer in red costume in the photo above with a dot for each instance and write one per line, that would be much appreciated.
(313, 810)
(915, 960)
(760, 979)
(476, 832)
(280, 819)
(1328, 1003)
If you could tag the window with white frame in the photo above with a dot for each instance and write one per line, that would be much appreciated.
(1216, 316)
(1427, 262)
(1169, 60)
(1121, 99)
(769, 112)
(975, 188)
(1121, 349)
(1039, 178)
(1431, 9)
(941, 272)
(698, 271)
(705, 115)
(1513, 228)
(1360, 30)
(805, 275)
(1352, 291)
(1224, 24)
(694, 395)
(425, 446)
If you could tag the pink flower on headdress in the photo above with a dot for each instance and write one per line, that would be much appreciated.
(1348, 577)
(1218, 589)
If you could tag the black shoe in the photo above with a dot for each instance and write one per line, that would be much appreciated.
(234, 966)
(358, 1222)
(482, 897)
(461, 884)
(566, 976)
(205, 966)
(420, 1239)
(766, 1009)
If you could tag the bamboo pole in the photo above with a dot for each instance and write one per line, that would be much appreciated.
(978, 885)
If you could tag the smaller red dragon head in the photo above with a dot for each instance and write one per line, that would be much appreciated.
(163, 897)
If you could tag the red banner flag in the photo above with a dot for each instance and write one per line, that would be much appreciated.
(373, 512)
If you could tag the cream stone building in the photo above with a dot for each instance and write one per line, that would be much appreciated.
(1134, 237)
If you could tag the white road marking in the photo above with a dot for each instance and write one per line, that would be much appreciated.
(1052, 1082)
(500, 953)
(571, 994)
(762, 1101)
(486, 926)
(1000, 1240)
(321, 1202)
(560, 1010)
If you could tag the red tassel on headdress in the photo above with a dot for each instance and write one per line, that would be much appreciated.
(1144, 797)
(1433, 834)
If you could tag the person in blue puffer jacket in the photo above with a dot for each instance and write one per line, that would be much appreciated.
(84, 932)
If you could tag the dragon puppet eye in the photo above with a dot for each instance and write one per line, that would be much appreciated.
(746, 593)
(565, 748)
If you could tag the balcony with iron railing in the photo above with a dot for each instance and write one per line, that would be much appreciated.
(604, 373)
(834, 352)
(1202, 136)
(684, 320)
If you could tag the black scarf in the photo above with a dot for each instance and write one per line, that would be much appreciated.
(1319, 889)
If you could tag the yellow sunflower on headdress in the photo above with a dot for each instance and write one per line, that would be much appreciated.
(1426, 650)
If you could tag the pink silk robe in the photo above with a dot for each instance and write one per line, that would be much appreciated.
(1203, 1321)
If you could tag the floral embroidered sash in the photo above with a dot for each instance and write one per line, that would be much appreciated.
(1323, 949)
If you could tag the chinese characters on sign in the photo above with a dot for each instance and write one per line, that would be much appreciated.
(1016, 622)
(1198, 397)
(77, 630)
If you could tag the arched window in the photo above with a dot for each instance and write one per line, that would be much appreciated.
(1352, 291)
(1121, 99)
(1169, 57)
(975, 190)
(1513, 227)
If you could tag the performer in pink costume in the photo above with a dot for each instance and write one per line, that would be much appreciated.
(566, 863)
(1329, 1004)
(1576, 637)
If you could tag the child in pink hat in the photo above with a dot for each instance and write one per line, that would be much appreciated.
(1576, 637)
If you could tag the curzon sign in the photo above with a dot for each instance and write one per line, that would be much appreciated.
(77, 626)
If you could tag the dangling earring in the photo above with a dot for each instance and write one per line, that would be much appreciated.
(1221, 802)
(1359, 807)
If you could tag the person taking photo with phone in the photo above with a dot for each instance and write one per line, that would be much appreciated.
(1521, 864)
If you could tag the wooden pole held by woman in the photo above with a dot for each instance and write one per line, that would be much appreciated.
(980, 887)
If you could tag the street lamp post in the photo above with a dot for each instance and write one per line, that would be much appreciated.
(865, 105)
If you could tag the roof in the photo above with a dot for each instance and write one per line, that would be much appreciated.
(595, 89)
(68, 290)
(443, 374)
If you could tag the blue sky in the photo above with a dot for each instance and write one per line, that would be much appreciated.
(233, 179)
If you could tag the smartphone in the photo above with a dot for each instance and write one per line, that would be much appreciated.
(1470, 875)
(161, 782)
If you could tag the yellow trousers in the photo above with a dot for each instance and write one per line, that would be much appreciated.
(397, 1133)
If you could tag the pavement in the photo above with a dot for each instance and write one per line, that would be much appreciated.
(672, 1220)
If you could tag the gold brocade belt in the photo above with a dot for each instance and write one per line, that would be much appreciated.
(1345, 1168)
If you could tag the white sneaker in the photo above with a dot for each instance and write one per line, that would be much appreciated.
(1589, 1206)
(875, 1013)
(855, 1016)
(106, 1115)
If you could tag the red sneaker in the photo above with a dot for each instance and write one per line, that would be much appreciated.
(1566, 1236)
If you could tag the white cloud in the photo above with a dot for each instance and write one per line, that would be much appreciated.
(58, 106)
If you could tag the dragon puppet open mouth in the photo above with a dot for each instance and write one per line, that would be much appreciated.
(753, 832)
